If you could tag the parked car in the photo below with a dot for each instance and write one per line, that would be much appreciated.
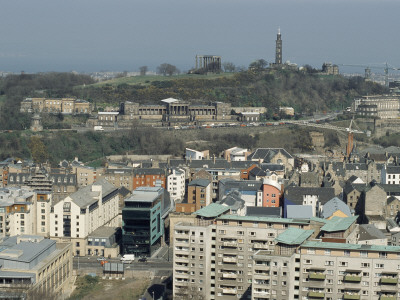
(142, 259)
(101, 259)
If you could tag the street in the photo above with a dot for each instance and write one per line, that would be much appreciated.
(153, 264)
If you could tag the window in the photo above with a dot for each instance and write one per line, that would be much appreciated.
(67, 207)
(329, 263)
(346, 253)
(308, 261)
(365, 265)
(379, 266)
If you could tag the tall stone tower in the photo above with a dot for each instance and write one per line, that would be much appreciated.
(278, 50)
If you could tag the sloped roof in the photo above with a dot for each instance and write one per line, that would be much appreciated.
(391, 199)
(267, 154)
(212, 210)
(85, 196)
(294, 236)
(338, 224)
(325, 245)
(258, 211)
(334, 205)
(299, 211)
(370, 232)
(262, 219)
(295, 193)
(392, 169)
(199, 182)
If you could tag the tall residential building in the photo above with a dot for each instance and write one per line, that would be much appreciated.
(142, 220)
(214, 257)
(278, 49)
(302, 269)
(23, 211)
(82, 212)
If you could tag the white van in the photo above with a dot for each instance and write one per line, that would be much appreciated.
(128, 258)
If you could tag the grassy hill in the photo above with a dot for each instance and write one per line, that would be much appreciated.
(148, 79)
(306, 92)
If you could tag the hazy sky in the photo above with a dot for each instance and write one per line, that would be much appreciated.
(94, 35)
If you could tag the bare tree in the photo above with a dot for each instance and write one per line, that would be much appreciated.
(143, 70)
(258, 65)
(229, 67)
(167, 69)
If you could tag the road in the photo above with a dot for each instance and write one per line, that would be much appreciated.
(153, 264)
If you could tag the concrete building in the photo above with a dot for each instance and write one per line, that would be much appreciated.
(86, 175)
(149, 177)
(23, 211)
(121, 177)
(176, 184)
(78, 215)
(198, 196)
(32, 265)
(143, 220)
(214, 257)
(191, 154)
(272, 194)
(236, 154)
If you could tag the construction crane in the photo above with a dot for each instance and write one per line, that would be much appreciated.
(350, 132)
(350, 140)
(386, 67)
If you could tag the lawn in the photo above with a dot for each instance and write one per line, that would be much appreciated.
(146, 80)
(102, 289)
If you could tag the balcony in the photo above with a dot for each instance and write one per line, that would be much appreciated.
(387, 297)
(229, 275)
(352, 278)
(316, 276)
(229, 259)
(230, 244)
(316, 295)
(389, 280)
(231, 291)
(260, 246)
(351, 296)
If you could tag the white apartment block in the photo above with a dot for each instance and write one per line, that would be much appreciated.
(84, 211)
(176, 184)
(23, 211)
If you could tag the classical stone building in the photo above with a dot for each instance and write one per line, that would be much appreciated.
(377, 106)
(56, 105)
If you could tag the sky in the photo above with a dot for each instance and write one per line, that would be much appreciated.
(119, 35)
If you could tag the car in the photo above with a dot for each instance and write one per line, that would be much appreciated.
(142, 259)
(101, 259)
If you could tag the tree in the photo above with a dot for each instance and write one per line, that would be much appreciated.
(143, 70)
(229, 67)
(38, 150)
(167, 69)
(258, 65)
